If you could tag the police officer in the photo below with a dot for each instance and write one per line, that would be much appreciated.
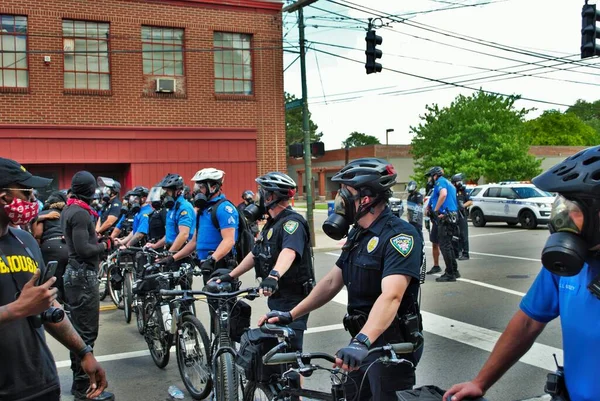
(380, 266)
(444, 210)
(213, 245)
(81, 275)
(414, 204)
(179, 226)
(111, 210)
(282, 255)
(157, 218)
(247, 200)
(464, 202)
(125, 222)
(140, 208)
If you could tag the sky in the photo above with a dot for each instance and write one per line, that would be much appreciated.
(343, 98)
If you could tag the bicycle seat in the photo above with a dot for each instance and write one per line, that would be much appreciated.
(276, 330)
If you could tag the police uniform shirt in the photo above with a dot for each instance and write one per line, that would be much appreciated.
(27, 370)
(112, 208)
(140, 221)
(462, 197)
(450, 204)
(388, 247)
(414, 207)
(182, 214)
(209, 237)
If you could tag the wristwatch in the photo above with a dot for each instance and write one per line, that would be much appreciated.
(84, 351)
(363, 339)
(275, 274)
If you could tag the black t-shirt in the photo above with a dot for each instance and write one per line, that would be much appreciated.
(112, 208)
(51, 227)
(80, 236)
(27, 370)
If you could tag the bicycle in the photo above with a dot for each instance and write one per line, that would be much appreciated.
(286, 385)
(224, 373)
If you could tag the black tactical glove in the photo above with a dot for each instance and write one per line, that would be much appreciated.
(226, 278)
(284, 318)
(166, 261)
(353, 354)
(208, 266)
(269, 284)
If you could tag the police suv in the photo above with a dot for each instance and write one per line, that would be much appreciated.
(510, 202)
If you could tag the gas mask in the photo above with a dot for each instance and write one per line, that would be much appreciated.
(200, 199)
(134, 204)
(565, 250)
(337, 225)
(106, 192)
(154, 197)
(255, 210)
(167, 200)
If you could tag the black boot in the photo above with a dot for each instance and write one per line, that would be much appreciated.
(434, 270)
(446, 278)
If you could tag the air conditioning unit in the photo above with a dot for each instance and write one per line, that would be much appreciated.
(165, 85)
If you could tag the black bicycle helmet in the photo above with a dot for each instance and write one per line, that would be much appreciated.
(278, 183)
(172, 180)
(456, 178)
(140, 191)
(578, 174)
(377, 175)
(247, 194)
(436, 170)
(411, 186)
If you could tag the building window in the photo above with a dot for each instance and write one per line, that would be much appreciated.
(13, 52)
(233, 63)
(86, 55)
(162, 51)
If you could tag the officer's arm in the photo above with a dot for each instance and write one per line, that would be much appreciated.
(284, 261)
(441, 199)
(187, 249)
(124, 240)
(136, 238)
(110, 220)
(115, 233)
(184, 233)
(226, 244)
(246, 264)
(159, 244)
(514, 342)
(385, 308)
(327, 288)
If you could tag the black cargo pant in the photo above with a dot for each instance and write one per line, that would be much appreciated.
(445, 233)
(83, 304)
(463, 242)
(56, 249)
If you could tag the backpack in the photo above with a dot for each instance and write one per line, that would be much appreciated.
(245, 241)
(253, 345)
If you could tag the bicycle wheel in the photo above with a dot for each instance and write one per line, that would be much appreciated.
(159, 341)
(257, 392)
(115, 295)
(102, 287)
(128, 296)
(140, 316)
(193, 357)
(226, 385)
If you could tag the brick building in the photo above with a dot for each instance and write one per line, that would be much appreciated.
(79, 88)
(325, 167)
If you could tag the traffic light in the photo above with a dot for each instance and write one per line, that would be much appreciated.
(317, 149)
(590, 31)
(297, 150)
(372, 52)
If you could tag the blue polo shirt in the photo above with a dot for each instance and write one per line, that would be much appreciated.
(450, 204)
(140, 221)
(119, 224)
(182, 214)
(209, 237)
(552, 296)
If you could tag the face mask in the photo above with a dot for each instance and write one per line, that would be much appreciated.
(565, 250)
(156, 205)
(167, 200)
(337, 225)
(200, 201)
(21, 212)
(256, 210)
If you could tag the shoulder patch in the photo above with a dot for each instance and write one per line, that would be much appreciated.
(229, 209)
(291, 226)
(403, 244)
(183, 213)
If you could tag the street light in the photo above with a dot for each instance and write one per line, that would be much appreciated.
(387, 131)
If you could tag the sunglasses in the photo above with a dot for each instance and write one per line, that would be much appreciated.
(30, 190)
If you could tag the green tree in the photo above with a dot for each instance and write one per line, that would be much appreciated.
(293, 125)
(360, 139)
(589, 112)
(554, 128)
(479, 135)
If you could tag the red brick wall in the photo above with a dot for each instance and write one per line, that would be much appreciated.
(46, 102)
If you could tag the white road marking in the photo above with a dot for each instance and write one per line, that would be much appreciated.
(486, 254)
(498, 233)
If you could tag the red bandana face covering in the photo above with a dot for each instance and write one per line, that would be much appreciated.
(21, 212)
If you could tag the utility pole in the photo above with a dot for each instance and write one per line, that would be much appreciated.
(298, 6)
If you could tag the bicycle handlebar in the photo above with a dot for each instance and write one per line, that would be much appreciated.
(253, 291)
(292, 357)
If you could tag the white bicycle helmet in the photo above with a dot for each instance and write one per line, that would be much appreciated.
(209, 174)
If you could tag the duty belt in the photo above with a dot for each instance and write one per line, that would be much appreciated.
(53, 239)
(79, 273)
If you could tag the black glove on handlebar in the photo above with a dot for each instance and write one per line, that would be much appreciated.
(166, 261)
(284, 318)
(269, 284)
(208, 266)
(226, 278)
(353, 354)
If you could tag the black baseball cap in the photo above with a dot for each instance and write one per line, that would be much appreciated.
(12, 172)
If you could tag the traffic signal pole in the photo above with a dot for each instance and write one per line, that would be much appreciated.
(298, 5)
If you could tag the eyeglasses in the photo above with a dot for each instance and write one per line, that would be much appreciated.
(18, 189)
